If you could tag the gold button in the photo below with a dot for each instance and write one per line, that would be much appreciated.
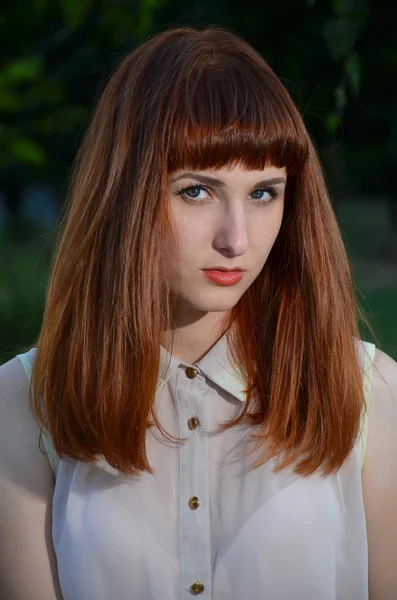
(193, 423)
(197, 587)
(191, 373)
(194, 502)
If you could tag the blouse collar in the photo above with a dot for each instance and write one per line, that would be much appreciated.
(216, 365)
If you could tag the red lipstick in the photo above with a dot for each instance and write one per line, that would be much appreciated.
(224, 277)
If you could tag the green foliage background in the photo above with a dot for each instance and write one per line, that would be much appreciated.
(338, 58)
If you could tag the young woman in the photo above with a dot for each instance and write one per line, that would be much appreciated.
(199, 380)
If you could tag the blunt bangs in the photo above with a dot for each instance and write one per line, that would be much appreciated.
(231, 115)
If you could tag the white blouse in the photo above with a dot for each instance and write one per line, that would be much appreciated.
(204, 524)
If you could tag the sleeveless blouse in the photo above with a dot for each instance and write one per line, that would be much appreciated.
(205, 524)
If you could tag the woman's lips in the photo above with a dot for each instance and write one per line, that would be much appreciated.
(224, 277)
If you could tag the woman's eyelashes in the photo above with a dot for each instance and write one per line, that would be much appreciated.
(191, 194)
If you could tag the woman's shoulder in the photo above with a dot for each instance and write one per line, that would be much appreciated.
(19, 431)
(379, 478)
(26, 491)
(382, 411)
(365, 352)
(366, 355)
(26, 360)
(15, 376)
(14, 388)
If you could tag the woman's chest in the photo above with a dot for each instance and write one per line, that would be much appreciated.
(205, 524)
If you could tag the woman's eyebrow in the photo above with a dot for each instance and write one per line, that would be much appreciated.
(218, 183)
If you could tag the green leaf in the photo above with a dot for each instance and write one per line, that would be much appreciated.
(28, 151)
(146, 11)
(340, 99)
(337, 5)
(333, 122)
(9, 101)
(47, 91)
(20, 71)
(64, 119)
(120, 23)
(353, 71)
(75, 11)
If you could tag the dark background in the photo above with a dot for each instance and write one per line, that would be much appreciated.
(337, 58)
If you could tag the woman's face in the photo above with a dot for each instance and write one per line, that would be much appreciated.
(223, 218)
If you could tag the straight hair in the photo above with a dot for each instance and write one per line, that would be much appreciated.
(201, 99)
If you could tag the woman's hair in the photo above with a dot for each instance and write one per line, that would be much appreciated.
(189, 98)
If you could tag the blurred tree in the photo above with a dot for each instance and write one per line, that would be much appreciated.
(324, 52)
(51, 69)
(54, 56)
(338, 58)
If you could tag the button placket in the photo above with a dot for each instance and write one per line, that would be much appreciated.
(194, 502)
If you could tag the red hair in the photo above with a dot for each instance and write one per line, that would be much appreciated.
(201, 99)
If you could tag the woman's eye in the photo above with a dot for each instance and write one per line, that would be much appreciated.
(265, 195)
(192, 192)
